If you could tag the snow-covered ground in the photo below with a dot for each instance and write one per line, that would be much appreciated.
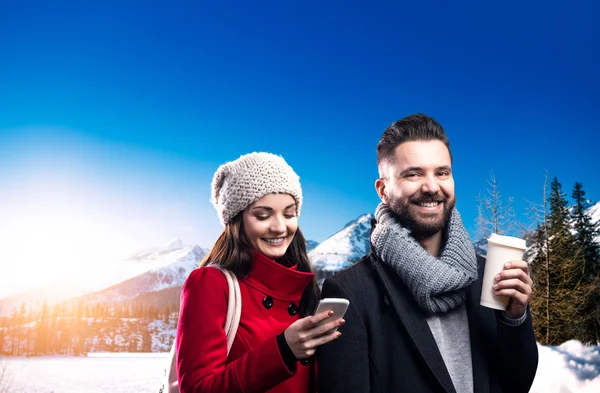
(97, 373)
(568, 368)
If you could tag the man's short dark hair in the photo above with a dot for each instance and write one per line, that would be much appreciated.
(417, 127)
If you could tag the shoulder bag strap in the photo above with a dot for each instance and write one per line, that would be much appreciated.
(234, 306)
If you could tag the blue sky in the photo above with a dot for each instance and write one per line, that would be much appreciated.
(116, 115)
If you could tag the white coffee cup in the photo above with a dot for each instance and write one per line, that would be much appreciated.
(500, 250)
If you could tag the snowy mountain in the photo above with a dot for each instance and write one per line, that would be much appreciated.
(310, 244)
(150, 270)
(343, 248)
(594, 212)
(481, 247)
(152, 253)
(170, 267)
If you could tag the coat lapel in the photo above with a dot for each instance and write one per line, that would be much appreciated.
(414, 322)
(481, 382)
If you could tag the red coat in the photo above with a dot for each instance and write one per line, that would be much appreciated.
(254, 364)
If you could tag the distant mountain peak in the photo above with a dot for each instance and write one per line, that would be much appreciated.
(311, 244)
(361, 219)
(175, 244)
(344, 247)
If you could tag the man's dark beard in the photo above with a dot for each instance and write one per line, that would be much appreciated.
(422, 228)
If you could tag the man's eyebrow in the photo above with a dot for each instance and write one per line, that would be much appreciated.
(411, 169)
(419, 169)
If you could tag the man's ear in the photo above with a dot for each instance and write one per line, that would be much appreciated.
(381, 190)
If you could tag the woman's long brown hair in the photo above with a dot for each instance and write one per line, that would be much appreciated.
(232, 251)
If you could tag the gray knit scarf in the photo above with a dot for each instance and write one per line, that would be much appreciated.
(438, 284)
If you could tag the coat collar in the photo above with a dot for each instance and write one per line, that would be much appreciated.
(276, 280)
(414, 322)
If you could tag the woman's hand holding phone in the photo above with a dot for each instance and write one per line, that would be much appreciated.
(306, 334)
(335, 304)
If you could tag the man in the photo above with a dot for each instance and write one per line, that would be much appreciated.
(414, 323)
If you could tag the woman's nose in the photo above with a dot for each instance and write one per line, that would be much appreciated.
(278, 224)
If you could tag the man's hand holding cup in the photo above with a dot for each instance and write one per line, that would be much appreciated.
(514, 282)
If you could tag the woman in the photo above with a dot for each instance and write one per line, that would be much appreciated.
(258, 200)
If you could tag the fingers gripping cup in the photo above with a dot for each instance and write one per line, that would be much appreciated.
(501, 249)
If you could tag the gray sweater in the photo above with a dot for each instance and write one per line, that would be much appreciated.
(451, 333)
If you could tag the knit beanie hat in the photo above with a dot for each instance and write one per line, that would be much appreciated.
(238, 184)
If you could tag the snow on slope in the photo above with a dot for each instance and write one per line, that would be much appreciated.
(594, 212)
(169, 269)
(343, 248)
(146, 261)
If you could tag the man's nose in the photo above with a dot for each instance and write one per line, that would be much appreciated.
(430, 185)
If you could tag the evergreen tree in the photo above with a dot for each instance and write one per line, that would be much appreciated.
(24, 330)
(585, 233)
(17, 323)
(2, 332)
(41, 332)
(559, 292)
(79, 333)
(167, 314)
(146, 339)
(65, 337)
(52, 332)
(559, 220)
(540, 274)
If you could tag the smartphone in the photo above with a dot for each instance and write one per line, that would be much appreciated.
(335, 304)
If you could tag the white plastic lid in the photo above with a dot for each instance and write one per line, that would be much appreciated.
(508, 241)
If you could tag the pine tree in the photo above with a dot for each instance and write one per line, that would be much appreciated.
(41, 332)
(146, 339)
(585, 233)
(18, 322)
(2, 332)
(52, 331)
(540, 274)
(566, 260)
(167, 315)
(559, 291)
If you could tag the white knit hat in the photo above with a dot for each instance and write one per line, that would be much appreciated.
(238, 184)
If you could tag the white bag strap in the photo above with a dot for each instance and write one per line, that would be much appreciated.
(234, 306)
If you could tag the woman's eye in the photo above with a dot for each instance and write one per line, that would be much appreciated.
(262, 217)
(289, 215)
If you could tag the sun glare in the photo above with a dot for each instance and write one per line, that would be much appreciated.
(55, 244)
